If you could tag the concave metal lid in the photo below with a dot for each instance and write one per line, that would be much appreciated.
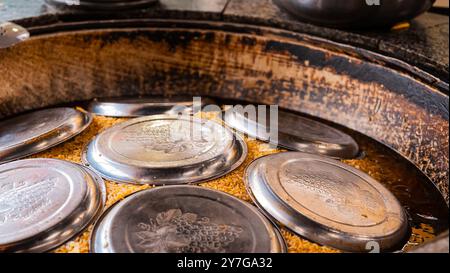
(295, 133)
(326, 201)
(45, 202)
(165, 149)
(145, 106)
(37, 131)
(184, 219)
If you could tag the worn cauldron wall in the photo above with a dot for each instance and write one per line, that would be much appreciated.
(380, 97)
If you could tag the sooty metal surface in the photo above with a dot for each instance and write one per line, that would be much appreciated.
(380, 97)
(352, 87)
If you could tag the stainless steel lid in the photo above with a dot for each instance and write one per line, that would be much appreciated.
(326, 201)
(11, 34)
(45, 202)
(295, 133)
(184, 219)
(165, 149)
(145, 106)
(37, 131)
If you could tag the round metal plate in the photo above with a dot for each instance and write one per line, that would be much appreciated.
(165, 149)
(37, 131)
(184, 219)
(326, 201)
(45, 202)
(146, 106)
(92, 175)
(296, 133)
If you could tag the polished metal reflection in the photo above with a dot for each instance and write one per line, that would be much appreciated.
(11, 34)
(355, 13)
(164, 149)
(294, 132)
(37, 131)
(45, 202)
(184, 219)
(145, 106)
(326, 201)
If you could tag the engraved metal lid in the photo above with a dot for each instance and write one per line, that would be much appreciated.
(45, 202)
(184, 219)
(326, 201)
(145, 106)
(34, 132)
(295, 133)
(164, 149)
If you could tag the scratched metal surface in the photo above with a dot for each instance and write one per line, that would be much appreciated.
(424, 45)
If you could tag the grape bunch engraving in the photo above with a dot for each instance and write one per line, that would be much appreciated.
(351, 200)
(176, 232)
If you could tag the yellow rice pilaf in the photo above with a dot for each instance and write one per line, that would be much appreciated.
(231, 183)
(375, 164)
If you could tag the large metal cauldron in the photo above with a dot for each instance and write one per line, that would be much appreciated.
(382, 98)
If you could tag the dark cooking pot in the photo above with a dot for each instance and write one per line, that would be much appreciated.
(355, 13)
(385, 99)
